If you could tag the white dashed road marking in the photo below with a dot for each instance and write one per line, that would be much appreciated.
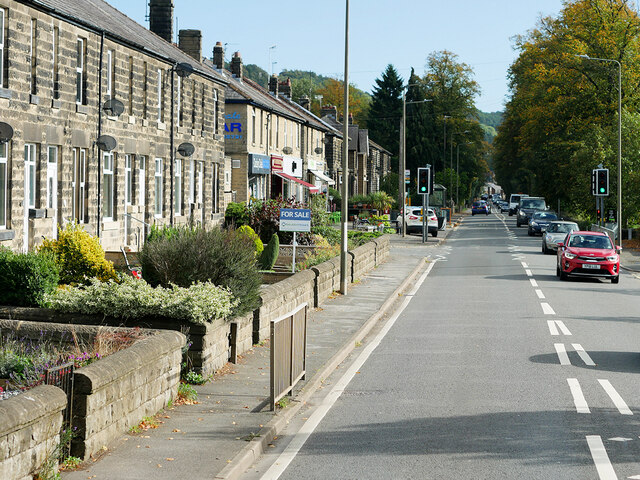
(540, 294)
(617, 400)
(528, 272)
(554, 325)
(578, 397)
(533, 282)
(562, 354)
(583, 355)
(600, 458)
(546, 308)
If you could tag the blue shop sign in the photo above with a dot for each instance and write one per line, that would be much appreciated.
(259, 164)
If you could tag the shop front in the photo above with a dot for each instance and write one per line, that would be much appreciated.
(259, 169)
(286, 179)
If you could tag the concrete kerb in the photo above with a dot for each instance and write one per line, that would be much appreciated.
(258, 445)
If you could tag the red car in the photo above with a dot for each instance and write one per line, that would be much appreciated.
(588, 254)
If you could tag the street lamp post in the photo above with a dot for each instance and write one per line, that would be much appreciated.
(458, 172)
(587, 57)
(403, 163)
(344, 214)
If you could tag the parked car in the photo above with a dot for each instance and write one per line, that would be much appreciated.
(479, 207)
(539, 222)
(413, 219)
(514, 201)
(527, 207)
(588, 254)
(556, 232)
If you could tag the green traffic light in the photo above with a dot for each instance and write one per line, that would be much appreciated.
(601, 189)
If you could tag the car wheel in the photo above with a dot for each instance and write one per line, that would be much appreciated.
(472, 214)
(557, 270)
(563, 275)
(615, 279)
(530, 232)
(544, 249)
(434, 234)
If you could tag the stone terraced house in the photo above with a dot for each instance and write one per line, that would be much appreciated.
(105, 123)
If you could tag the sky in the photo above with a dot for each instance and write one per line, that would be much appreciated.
(310, 35)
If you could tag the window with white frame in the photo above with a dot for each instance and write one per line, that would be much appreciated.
(177, 187)
(145, 89)
(52, 177)
(142, 179)
(107, 185)
(261, 127)
(130, 85)
(192, 181)
(159, 97)
(3, 185)
(277, 131)
(55, 54)
(158, 187)
(78, 185)
(110, 73)
(128, 180)
(215, 111)
(202, 108)
(179, 100)
(215, 188)
(30, 174)
(3, 76)
(81, 55)
(285, 133)
(33, 51)
(200, 182)
(253, 126)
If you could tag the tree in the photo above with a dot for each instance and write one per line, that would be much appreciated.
(385, 113)
(333, 93)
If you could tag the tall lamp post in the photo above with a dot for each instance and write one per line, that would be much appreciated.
(344, 214)
(403, 163)
(458, 171)
(608, 60)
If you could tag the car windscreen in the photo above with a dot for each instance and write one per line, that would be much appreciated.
(476, 204)
(590, 241)
(562, 227)
(545, 216)
(532, 203)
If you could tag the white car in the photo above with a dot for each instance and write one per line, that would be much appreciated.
(413, 219)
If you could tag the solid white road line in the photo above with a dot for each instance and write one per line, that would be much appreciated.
(615, 397)
(578, 397)
(546, 308)
(562, 354)
(533, 282)
(600, 458)
(299, 439)
(583, 355)
(540, 294)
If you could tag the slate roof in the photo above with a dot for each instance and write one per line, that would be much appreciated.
(98, 15)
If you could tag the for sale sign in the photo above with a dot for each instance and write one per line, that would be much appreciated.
(295, 220)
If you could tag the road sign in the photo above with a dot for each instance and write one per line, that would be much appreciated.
(295, 220)
(407, 176)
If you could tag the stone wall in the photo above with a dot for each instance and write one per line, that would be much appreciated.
(114, 394)
(364, 260)
(29, 430)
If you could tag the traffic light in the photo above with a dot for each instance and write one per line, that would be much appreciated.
(602, 182)
(425, 181)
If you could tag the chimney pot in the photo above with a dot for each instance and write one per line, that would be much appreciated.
(273, 84)
(218, 55)
(190, 42)
(236, 65)
(161, 18)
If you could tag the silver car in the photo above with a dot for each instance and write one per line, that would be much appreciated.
(556, 232)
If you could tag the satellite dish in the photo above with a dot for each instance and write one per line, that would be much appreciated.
(113, 107)
(106, 143)
(6, 132)
(184, 69)
(287, 150)
(318, 150)
(186, 149)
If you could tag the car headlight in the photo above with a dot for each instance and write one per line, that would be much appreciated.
(612, 258)
(570, 256)
(534, 224)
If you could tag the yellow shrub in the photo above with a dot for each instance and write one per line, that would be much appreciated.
(79, 256)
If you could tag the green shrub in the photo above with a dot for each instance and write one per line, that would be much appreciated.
(133, 298)
(224, 257)
(25, 278)
(323, 252)
(332, 235)
(79, 256)
(270, 253)
(236, 215)
(248, 232)
(357, 238)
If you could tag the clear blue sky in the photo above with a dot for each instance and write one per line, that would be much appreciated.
(310, 35)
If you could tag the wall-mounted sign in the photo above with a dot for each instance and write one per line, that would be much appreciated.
(259, 164)
(276, 163)
(292, 166)
(232, 126)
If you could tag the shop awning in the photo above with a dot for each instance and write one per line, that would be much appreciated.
(312, 188)
(323, 177)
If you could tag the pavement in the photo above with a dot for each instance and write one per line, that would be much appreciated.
(230, 425)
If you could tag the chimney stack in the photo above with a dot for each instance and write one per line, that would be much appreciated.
(304, 102)
(285, 88)
(190, 42)
(236, 65)
(273, 85)
(218, 55)
(161, 18)
(351, 119)
(330, 111)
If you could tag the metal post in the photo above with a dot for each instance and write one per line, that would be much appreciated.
(619, 154)
(172, 154)
(424, 216)
(457, 176)
(345, 161)
(404, 159)
(293, 261)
